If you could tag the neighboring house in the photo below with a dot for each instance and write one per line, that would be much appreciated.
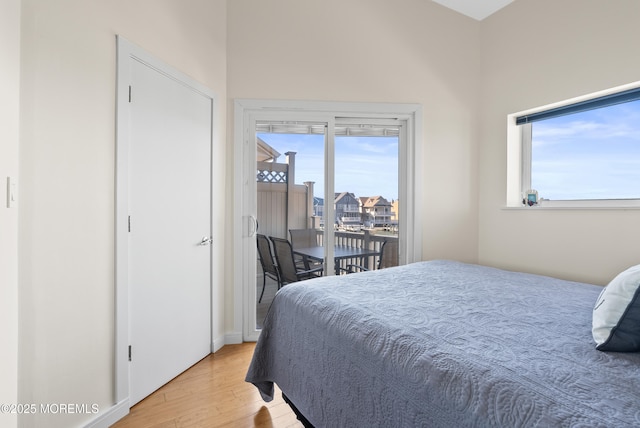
(265, 153)
(395, 212)
(347, 210)
(318, 207)
(376, 211)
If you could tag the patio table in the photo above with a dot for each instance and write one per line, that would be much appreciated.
(340, 252)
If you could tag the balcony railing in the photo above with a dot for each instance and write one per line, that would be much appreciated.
(348, 208)
(363, 239)
(349, 219)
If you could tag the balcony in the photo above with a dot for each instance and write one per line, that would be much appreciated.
(349, 220)
(362, 239)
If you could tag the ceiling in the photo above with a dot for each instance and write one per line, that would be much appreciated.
(476, 9)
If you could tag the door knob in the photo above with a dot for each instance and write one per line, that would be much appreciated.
(206, 240)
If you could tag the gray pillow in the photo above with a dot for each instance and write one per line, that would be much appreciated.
(616, 315)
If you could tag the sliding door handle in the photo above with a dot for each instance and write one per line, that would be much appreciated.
(253, 226)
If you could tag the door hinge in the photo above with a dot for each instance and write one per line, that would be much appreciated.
(129, 352)
(129, 93)
(129, 223)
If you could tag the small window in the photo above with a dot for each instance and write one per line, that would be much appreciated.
(583, 151)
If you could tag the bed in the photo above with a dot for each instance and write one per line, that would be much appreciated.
(444, 344)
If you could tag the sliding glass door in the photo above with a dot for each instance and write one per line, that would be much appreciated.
(366, 156)
(334, 186)
(293, 158)
(290, 189)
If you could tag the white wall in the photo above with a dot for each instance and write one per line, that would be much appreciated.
(535, 52)
(66, 254)
(9, 116)
(412, 51)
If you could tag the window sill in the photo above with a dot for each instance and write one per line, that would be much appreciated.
(580, 205)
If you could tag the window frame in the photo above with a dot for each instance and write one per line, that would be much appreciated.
(519, 157)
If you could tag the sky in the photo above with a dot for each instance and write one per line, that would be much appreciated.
(364, 166)
(589, 155)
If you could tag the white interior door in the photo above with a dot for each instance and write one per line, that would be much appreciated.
(170, 228)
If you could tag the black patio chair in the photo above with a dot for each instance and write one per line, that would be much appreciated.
(269, 268)
(287, 268)
(304, 238)
(388, 257)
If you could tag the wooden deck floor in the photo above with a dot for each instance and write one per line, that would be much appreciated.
(212, 393)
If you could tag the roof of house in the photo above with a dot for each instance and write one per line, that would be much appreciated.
(339, 196)
(372, 201)
(265, 152)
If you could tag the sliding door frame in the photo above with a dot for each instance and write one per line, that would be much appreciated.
(246, 113)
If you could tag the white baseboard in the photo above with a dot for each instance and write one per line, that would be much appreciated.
(232, 338)
(227, 339)
(217, 344)
(106, 418)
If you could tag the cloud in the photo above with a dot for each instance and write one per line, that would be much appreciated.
(614, 123)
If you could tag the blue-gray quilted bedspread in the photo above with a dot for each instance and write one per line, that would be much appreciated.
(444, 344)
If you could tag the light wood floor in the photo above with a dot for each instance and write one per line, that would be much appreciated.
(212, 393)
